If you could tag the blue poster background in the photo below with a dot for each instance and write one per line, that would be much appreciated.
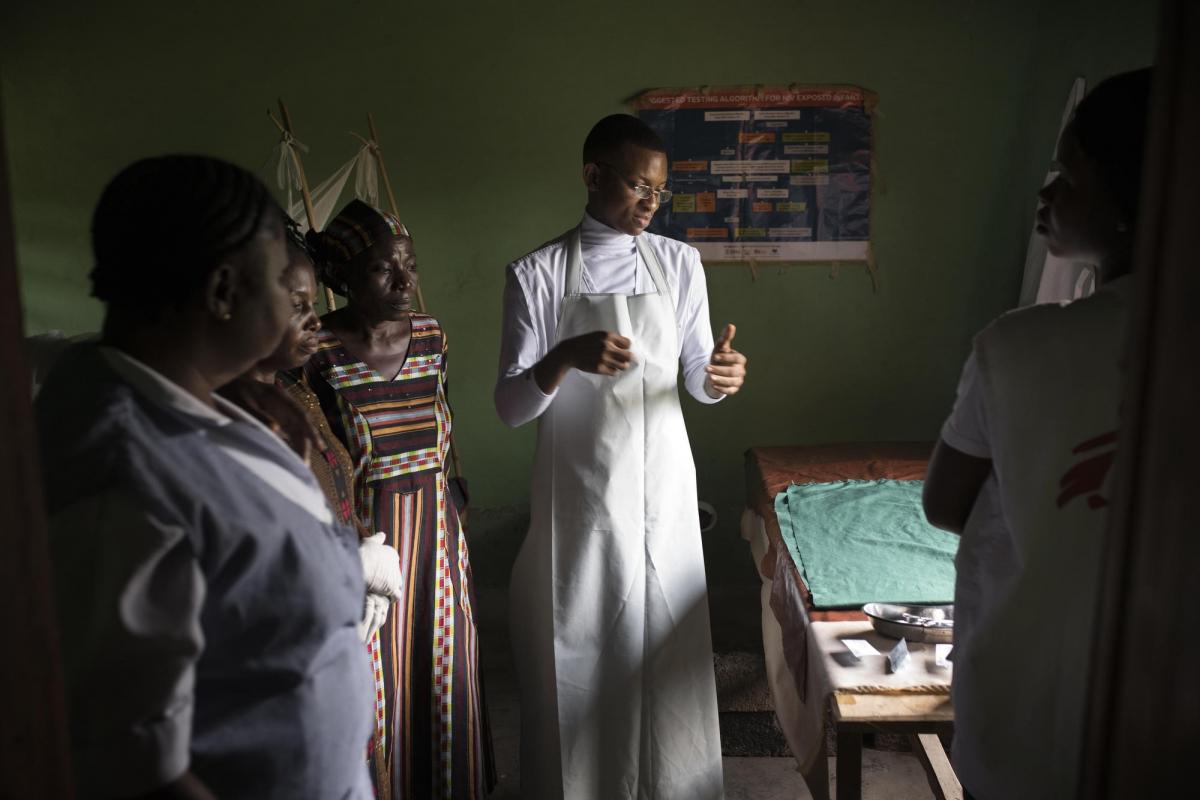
(775, 182)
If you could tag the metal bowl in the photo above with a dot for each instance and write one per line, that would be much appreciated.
(916, 623)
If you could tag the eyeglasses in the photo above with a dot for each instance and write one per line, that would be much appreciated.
(641, 190)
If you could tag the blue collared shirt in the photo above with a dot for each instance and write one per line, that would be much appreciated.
(207, 601)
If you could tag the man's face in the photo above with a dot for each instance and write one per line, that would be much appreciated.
(612, 197)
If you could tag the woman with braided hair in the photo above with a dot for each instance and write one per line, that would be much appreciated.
(380, 374)
(277, 392)
(207, 599)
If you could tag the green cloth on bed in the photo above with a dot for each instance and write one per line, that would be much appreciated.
(860, 542)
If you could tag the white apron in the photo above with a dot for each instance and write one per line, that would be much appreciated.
(609, 606)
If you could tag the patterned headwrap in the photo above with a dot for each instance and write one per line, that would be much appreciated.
(355, 229)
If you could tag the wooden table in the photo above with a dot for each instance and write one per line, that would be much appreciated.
(926, 718)
(853, 713)
(866, 704)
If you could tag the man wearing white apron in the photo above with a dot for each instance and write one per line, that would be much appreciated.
(609, 606)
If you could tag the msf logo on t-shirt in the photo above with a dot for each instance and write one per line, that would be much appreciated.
(1086, 478)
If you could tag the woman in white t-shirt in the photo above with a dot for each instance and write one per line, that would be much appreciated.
(1021, 471)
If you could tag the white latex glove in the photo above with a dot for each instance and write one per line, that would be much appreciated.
(374, 616)
(381, 566)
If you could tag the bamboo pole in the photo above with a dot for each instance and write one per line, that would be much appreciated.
(285, 129)
(387, 186)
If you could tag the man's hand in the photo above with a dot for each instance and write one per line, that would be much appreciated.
(727, 367)
(598, 352)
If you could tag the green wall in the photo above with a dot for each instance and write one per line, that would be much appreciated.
(482, 109)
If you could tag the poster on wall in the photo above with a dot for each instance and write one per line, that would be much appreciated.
(766, 173)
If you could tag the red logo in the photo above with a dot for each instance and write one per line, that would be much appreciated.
(1087, 476)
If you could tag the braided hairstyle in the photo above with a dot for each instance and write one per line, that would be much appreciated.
(297, 244)
(164, 223)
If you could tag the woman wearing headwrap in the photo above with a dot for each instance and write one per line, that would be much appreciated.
(207, 598)
(380, 374)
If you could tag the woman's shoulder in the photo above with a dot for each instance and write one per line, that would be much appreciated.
(425, 323)
(427, 331)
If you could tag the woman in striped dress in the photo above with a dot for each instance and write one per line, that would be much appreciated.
(380, 374)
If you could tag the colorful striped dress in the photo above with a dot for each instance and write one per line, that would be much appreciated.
(398, 434)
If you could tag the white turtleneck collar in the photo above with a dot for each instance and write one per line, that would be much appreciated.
(594, 233)
(611, 263)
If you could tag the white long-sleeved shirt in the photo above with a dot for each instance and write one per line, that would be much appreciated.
(533, 294)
